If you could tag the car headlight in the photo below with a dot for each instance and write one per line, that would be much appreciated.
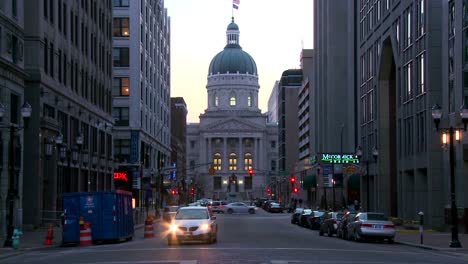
(205, 227)
(173, 228)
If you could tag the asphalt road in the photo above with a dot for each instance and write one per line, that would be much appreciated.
(243, 238)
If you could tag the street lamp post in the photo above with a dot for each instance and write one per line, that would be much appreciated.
(453, 133)
(26, 110)
(375, 154)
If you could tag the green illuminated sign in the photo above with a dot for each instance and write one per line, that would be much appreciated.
(339, 158)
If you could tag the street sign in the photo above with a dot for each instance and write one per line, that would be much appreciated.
(284, 172)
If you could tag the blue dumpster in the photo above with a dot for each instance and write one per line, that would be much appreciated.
(109, 212)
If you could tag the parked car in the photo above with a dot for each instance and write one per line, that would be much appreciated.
(342, 230)
(295, 216)
(275, 208)
(193, 223)
(314, 219)
(329, 224)
(217, 206)
(169, 212)
(303, 219)
(239, 207)
(371, 225)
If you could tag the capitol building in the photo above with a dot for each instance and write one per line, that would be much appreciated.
(233, 136)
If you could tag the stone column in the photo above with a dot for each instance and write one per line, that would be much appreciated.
(209, 152)
(224, 159)
(241, 155)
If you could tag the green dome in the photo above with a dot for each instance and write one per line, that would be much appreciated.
(232, 26)
(233, 59)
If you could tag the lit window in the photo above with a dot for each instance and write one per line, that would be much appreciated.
(232, 162)
(216, 100)
(248, 161)
(232, 100)
(249, 101)
(217, 161)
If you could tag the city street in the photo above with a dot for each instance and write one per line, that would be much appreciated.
(242, 238)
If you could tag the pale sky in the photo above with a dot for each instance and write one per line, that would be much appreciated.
(273, 32)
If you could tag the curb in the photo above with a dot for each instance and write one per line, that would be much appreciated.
(431, 247)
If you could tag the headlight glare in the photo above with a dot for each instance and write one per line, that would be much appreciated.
(205, 227)
(173, 227)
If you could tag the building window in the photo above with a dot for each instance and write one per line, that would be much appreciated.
(51, 13)
(248, 161)
(249, 101)
(122, 150)
(408, 27)
(232, 100)
(121, 27)
(217, 183)
(273, 165)
(273, 144)
(248, 183)
(121, 86)
(408, 88)
(192, 164)
(46, 56)
(451, 18)
(421, 75)
(121, 57)
(217, 161)
(192, 144)
(46, 8)
(232, 161)
(216, 100)
(121, 116)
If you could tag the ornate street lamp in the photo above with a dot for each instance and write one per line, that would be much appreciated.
(453, 133)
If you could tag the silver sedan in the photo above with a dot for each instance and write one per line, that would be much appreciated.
(371, 225)
(239, 207)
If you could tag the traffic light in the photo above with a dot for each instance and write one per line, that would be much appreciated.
(269, 192)
(174, 192)
(250, 172)
(295, 190)
(292, 179)
(192, 191)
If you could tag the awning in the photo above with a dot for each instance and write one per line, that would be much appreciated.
(310, 181)
(354, 182)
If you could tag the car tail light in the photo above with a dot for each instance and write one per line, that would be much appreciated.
(366, 225)
(389, 226)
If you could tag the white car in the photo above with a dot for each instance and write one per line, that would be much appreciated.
(238, 207)
(193, 223)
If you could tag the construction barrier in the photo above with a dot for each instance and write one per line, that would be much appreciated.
(50, 236)
(149, 229)
(85, 233)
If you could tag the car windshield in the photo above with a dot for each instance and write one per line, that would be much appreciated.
(191, 214)
(318, 213)
(171, 209)
(380, 217)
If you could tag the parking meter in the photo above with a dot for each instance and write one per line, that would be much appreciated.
(421, 223)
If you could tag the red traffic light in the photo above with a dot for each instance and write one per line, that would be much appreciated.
(174, 192)
(250, 172)
(193, 191)
(268, 190)
(295, 190)
(292, 179)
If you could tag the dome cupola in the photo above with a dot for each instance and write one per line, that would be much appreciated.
(232, 59)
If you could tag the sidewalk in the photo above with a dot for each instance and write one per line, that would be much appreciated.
(432, 240)
(34, 240)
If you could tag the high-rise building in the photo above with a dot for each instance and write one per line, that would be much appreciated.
(12, 77)
(178, 147)
(67, 56)
(233, 136)
(273, 104)
(141, 93)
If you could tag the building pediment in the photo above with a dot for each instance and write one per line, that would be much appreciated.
(233, 125)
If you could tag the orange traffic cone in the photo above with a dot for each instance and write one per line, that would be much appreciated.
(50, 236)
(149, 230)
(85, 233)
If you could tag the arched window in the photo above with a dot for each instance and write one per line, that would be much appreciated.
(217, 161)
(216, 100)
(249, 100)
(248, 161)
(232, 99)
(232, 162)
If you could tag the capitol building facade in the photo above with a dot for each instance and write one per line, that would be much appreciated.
(233, 137)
